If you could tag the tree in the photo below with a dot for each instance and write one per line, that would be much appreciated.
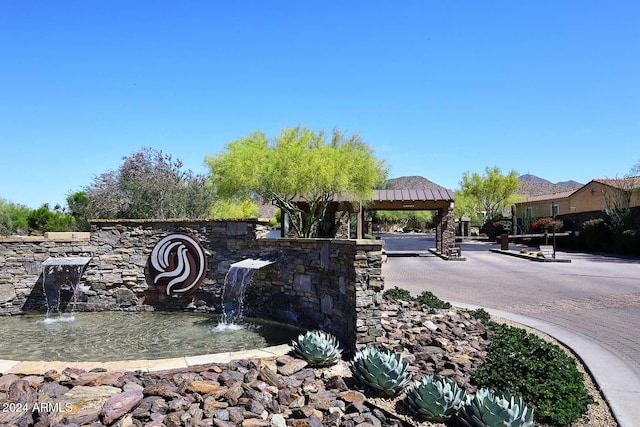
(227, 208)
(466, 205)
(78, 204)
(149, 184)
(299, 165)
(618, 195)
(493, 191)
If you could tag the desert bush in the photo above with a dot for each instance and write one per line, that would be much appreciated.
(547, 224)
(429, 299)
(541, 372)
(397, 293)
(631, 242)
(596, 235)
(480, 314)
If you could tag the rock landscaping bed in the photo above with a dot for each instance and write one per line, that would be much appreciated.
(280, 392)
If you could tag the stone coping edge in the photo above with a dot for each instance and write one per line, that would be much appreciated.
(144, 365)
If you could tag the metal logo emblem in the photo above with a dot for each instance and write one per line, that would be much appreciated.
(177, 264)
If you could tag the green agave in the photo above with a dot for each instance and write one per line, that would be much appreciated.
(381, 369)
(318, 348)
(488, 408)
(435, 398)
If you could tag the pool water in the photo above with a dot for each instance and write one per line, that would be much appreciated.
(109, 336)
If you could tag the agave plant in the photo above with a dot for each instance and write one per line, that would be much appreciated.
(435, 398)
(488, 408)
(381, 369)
(318, 348)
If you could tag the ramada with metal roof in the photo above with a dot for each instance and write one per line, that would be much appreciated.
(411, 199)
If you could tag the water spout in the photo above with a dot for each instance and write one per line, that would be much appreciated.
(60, 274)
(235, 282)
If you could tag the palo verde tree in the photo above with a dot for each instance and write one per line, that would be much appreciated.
(148, 184)
(492, 191)
(299, 165)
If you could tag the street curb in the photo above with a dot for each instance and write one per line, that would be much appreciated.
(528, 257)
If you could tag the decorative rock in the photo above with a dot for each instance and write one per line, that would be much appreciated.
(204, 387)
(292, 367)
(269, 376)
(352, 396)
(336, 382)
(118, 405)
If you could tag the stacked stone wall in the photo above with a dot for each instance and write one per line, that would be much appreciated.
(334, 285)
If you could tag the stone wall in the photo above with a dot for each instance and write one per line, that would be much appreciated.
(334, 285)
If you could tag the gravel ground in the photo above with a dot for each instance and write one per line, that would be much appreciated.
(598, 414)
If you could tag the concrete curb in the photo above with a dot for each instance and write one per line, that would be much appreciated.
(528, 257)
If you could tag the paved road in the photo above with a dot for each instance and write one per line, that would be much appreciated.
(593, 297)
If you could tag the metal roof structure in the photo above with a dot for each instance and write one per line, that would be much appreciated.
(411, 199)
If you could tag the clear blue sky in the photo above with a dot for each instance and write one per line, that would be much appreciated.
(437, 88)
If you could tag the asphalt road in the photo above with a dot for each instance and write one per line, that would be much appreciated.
(597, 297)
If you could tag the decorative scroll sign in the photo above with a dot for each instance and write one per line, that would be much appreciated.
(177, 264)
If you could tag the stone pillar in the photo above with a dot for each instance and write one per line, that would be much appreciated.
(448, 231)
(439, 218)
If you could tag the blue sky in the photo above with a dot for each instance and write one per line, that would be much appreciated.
(437, 88)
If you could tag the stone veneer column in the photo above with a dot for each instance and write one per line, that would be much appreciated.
(440, 219)
(369, 288)
(448, 232)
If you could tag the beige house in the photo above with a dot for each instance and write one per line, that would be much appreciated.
(591, 197)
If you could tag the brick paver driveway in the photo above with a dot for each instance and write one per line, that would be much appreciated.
(595, 296)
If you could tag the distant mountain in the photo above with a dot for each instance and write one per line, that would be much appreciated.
(412, 183)
(571, 184)
(534, 179)
(531, 185)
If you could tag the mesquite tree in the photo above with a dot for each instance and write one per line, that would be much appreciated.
(297, 167)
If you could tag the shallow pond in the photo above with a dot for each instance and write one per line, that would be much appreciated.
(108, 336)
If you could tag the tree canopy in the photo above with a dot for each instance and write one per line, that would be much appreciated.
(299, 165)
(491, 192)
(148, 184)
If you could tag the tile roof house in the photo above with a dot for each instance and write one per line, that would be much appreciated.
(591, 197)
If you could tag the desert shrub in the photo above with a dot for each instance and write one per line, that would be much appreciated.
(429, 299)
(480, 314)
(631, 242)
(596, 235)
(548, 224)
(541, 372)
(426, 298)
(397, 293)
(499, 226)
(43, 219)
(13, 218)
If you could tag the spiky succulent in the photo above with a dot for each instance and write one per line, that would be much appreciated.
(381, 369)
(435, 398)
(318, 348)
(488, 408)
